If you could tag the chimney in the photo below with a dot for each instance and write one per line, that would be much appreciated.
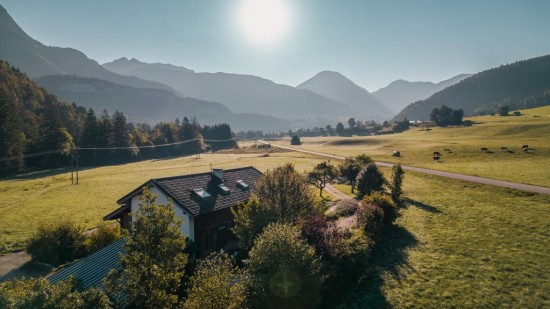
(218, 173)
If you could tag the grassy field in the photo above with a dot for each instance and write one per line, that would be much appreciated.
(462, 245)
(40, 198)
(493, 132)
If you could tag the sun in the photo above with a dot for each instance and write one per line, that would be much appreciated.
(264, 22)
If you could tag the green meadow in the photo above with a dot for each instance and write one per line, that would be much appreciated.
(493, 132)
(40, 198)
(461, 245)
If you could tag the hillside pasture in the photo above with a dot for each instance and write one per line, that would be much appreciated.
(465, 143)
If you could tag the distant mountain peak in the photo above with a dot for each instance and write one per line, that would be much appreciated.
(336, 86)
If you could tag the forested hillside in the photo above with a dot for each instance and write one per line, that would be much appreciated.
(514, 84)
(37, 131)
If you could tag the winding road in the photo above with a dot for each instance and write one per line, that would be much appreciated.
(476, 179)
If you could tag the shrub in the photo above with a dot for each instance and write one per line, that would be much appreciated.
(40, 293)
(371, 218)
(104, 235)
(385, 202)
(57, 244)
(346, 207)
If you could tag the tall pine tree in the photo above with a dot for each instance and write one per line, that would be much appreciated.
(12, 138)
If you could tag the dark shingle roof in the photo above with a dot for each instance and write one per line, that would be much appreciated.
(180, 189)
(93, 269)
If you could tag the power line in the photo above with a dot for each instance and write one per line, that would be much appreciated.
(43, 153)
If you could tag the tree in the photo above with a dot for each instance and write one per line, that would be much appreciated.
(218, 283)
(369, 180)
(105, 130)
(396, 185)
(339, 129)
(12, 138)
(349, 169)
(286, 270)
(249, 221)
(382, 200)
(295, 140)
(90, 135)
(154, 262)
(352, 123)
(456, 117)
(53, 137)
(503, 110)
(321, 174)
(286, 192)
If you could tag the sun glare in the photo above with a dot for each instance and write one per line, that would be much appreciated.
(264, 22)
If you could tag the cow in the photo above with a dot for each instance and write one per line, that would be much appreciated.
(436, 158)
(525, 147)
(437, 153)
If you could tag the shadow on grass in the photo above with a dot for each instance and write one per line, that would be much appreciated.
(389, 257)
(27, 270)
(422, 206)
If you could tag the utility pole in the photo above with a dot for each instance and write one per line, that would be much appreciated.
(77, 165)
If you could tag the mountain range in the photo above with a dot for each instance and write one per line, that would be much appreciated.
(483, 92)
(400, 93)
(240, 93)
(154, 92)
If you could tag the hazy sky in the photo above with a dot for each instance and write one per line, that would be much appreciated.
(371, 42)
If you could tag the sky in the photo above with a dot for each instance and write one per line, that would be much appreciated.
(371, 42)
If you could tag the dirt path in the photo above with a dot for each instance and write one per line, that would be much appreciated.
(476, 179)
(339, 194)
(12, 261)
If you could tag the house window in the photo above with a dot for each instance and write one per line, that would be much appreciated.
(221, 239)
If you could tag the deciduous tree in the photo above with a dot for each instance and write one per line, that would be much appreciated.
(285, 269)
(321, 174)
(154, 262)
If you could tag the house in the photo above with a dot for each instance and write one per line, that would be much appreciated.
(203, 201)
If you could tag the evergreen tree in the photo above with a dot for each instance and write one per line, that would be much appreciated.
(90, 136)
(105, 130)
(12, 138)
(396, 186)
(53, 137)
(340, 128)
(121, 137)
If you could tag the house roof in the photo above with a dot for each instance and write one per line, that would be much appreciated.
(93, 269)
(186, 191)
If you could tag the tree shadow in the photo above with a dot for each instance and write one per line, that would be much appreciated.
(389, 257)
(422, 206)
(45, 173)
(27, 270)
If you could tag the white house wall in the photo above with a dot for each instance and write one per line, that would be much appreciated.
(187, 227)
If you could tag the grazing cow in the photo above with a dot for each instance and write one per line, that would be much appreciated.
(447, 150)
(436, 157)
(503, 148)
(437, 153)
(484, 149)
(525, 147)
(396, 153)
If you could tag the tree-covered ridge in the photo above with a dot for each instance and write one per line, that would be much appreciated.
(484, 91)
(37, 131)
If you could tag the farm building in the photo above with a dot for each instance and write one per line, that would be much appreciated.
(203, 201)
